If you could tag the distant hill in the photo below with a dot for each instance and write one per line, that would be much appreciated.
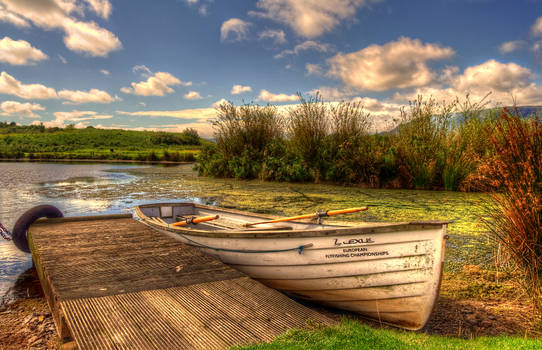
(38, 142)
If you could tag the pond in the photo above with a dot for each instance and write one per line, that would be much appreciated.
(87, 189)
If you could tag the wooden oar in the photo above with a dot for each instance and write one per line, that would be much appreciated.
(194, 220)
(308, 216)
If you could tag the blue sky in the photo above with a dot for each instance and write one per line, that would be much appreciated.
(163, 65)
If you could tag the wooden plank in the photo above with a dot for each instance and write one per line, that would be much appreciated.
(114, 283)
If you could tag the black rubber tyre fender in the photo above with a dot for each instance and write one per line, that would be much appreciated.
(19, 233)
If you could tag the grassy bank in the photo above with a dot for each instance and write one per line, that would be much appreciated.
(38, 142)
(351, 334)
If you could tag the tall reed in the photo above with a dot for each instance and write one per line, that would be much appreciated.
(308, 126)
(421, 139)
(515, 216)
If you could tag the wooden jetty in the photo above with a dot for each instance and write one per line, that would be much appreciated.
(114, 283)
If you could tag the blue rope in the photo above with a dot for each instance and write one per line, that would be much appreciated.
(4, 232)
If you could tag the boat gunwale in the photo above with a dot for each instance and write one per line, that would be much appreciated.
(240, 233)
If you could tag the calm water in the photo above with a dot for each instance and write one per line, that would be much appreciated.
(75, 189)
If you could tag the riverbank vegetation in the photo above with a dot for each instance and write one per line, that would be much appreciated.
(436, 145)
(350, 334)
(38, 142)
(514, 216)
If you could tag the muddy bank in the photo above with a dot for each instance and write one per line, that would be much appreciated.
(25, 319)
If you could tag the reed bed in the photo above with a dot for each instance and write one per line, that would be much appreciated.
(437, 145)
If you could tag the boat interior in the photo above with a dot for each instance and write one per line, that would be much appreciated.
(165, 214)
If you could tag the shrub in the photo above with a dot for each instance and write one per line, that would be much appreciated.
(421, 138)
(191, 136)
(279, 164)
(242, 135)
(515, 216)
(308, 126)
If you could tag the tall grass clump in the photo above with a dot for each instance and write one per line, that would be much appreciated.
(467, 142)
(350, 149)
(421, 141)
(242, 133)
(515, 216)
(308, 127)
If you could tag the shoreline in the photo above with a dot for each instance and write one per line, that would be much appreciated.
(70, 160)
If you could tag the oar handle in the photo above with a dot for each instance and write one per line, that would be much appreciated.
(345, 211)
(194, 220)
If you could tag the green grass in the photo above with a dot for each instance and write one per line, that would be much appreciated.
(91, 143)
(351, 334)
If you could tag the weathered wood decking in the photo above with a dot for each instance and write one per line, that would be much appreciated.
(113, 283)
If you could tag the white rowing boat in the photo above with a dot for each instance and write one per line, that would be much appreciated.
(387, 271)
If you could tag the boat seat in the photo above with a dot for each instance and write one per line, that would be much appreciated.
(158, 219)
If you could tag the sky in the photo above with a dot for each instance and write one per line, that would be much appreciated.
(166, 64)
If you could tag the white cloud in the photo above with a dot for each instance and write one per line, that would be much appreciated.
(26, 110)
(76, 117)
(203, 10)
(271, 97)
(196, 113)
(313, 69)
(505, 82)
(395, 65)
(511, 46)
(102, 8)
(239, 89)
(19, 52)
(536, 29)
(200, 117)
(493, 75)
(277, 36)
(332, 93)
(142, 70)
(105, 72)
(305, 46)
(92, 96)
(157, 85)
(11, 86)
(192, 95)
(10, 17)
(309, 18)
(374, 105)
(88, 37)
(234, 27)
(219, 103)
(85, 37)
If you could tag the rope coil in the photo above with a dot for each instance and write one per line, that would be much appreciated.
(4, 232)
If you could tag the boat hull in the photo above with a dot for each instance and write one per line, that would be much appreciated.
(388, 273)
